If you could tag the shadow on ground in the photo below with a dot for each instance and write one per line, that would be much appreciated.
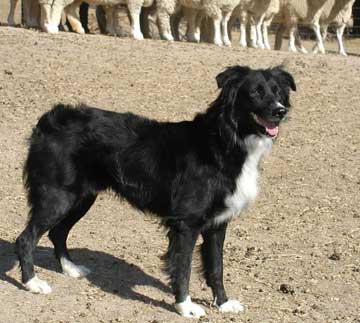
(117, 276)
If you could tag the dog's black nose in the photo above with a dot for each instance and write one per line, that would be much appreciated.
(279, 112)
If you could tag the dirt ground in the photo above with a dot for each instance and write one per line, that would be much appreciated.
(303, 231)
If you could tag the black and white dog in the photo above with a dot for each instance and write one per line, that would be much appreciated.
(196, 175)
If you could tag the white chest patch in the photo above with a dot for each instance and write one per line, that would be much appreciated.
(246, 183)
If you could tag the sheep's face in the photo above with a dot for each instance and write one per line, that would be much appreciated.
(256, 100)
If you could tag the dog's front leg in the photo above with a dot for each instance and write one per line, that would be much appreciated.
(212, 258)
(182, 240)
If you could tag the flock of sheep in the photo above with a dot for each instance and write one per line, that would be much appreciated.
(255, 17)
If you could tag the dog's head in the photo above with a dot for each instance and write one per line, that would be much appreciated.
(256, 100)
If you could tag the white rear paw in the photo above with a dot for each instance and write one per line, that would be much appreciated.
(38, 286)
(72, 270)
(189, 309)
(232, 305)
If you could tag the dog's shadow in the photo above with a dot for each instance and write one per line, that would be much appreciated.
(115, 275)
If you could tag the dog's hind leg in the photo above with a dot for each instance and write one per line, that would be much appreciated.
(212, 258)
(182, 241)
(58, 235)
(49, 206)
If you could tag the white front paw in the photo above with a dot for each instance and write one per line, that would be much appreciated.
(232, 305)
(189, 309)
(38, 286)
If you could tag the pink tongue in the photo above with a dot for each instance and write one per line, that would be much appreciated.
(270, 127)
(272, 131)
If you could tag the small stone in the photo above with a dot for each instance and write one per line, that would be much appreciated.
(249, 252)
(286, 289)
(335, 256)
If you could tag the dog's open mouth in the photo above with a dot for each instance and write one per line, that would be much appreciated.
(271, 128)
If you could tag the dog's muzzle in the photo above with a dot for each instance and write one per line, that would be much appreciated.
(279, 112)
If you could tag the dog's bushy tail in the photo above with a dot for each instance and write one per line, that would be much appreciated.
(44, 140)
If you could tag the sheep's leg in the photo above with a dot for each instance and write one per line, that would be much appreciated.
(265, 33)
(45, 20)
(134, 12)
(55, 19)
(72, 15)
(26, 7)
(31, 13)
(323, 30)
(217, 31)
(10, 19)
(165, 9)
(116, 21)
(224, 26)
(253, 33)
(192, 34)
(109, 15)
(243, 23)
(191, 25)
(259, 35)
(200, 15)
(339, 36)
(299, 44)
(319, 41)
(279, 37)
(175, 20)
(292, 35)
(164, 25)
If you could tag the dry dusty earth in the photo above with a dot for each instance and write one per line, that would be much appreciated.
(303, 231)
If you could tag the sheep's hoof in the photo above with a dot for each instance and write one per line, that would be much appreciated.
(52, 29)
(218, 42)
(80, 30)
(137, 35)
(11, 22)
(168, 37)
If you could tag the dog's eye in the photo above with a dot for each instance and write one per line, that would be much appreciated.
(255, 92)
(275, 89)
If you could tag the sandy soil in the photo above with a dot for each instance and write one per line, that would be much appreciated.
(303, 231)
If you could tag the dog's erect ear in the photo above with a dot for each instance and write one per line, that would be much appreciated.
(233, 73)
(283, 77)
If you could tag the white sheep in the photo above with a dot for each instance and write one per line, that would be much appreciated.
(30, 11)
(251, 12)
(42, 13)
(293, 12)
(51, 11)
(195, 10)
(272, 10)
(338, 12)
